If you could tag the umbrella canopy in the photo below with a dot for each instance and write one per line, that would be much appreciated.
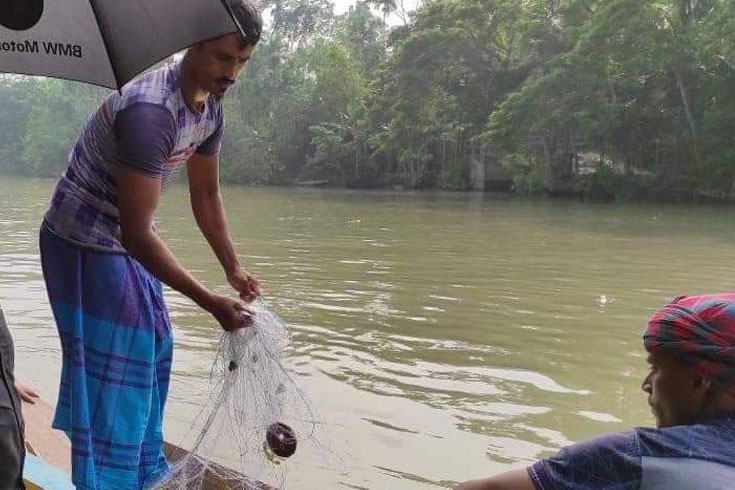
(103, 42)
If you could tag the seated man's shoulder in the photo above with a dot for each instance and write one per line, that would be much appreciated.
(688, 456)
(712, 439)
(671, 458)
(611, 462)
(623, 443)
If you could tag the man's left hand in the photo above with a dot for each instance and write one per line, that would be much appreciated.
(245, 284)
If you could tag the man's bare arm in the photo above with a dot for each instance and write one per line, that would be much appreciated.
(209, 211)
(138, 197)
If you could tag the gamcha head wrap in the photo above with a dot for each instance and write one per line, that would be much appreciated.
(700, 330)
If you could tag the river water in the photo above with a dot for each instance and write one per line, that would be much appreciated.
(440, 336)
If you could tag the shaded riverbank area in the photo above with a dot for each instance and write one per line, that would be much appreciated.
(600, 183)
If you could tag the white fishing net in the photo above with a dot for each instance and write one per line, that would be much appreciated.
(256, 419)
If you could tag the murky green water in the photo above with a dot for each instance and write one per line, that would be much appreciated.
(441, 336)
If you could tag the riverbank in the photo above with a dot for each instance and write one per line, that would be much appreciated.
(601, 186)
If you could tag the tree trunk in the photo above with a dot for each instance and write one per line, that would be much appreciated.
(611, 87)
(685, 100)
(547, 164)
(687, 110)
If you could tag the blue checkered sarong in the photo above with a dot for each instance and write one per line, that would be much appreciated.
(117, 345)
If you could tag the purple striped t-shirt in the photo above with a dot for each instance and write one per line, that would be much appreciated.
(147, 127)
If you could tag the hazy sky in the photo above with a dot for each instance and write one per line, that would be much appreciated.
(342, 5)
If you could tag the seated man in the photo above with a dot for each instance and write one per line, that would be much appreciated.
(691, 390)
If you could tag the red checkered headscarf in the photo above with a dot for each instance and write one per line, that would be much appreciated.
(700, 330)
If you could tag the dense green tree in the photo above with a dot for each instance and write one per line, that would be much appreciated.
(16, 102)
(457, 60)
(631, 88)
(613, 98)
(57, 113)
(300, 20)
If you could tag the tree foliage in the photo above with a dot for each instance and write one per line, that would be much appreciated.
(612, 98)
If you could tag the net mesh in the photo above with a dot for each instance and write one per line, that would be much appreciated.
(255, 419)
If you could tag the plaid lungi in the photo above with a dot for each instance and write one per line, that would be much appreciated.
(117, 348)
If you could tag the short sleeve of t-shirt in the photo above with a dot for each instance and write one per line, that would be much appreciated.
(145, 134)
(212, 144)
(610, 462)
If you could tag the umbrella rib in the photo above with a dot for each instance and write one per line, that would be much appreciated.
(233, 17)
(108, 49)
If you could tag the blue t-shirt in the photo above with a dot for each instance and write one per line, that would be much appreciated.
(686, 457)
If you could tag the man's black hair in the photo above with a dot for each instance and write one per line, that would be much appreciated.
(248, 19)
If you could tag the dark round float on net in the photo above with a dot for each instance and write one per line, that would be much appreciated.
(281, 439)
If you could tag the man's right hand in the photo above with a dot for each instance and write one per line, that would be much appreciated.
(231, 313)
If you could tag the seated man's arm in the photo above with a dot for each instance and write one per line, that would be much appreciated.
(512, 480)
(609, 462)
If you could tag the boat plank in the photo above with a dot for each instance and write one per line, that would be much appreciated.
(53, 455)
(48, 444)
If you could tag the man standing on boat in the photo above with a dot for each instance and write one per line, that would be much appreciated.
(104, 263)
(691, 391)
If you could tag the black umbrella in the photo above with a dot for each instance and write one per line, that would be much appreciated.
(103, 42)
